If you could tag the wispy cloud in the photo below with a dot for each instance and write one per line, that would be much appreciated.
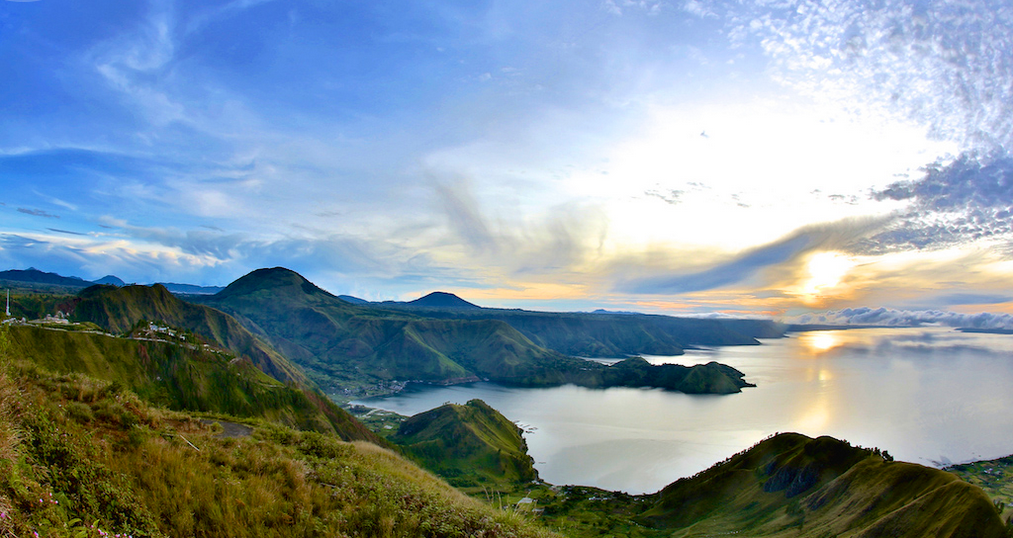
(832, 236)
(464, 217)
(560, 241)
(68, 232)
(37, 213)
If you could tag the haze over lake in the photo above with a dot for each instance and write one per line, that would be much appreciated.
(927, 395)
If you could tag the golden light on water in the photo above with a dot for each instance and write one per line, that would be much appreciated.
(815, 418)
(820, 341)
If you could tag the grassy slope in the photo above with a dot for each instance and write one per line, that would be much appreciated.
(470, 445)
(76, 452)
(791, 485)
(787, 486)
(182, 377)
(118, 310)
(995, 477)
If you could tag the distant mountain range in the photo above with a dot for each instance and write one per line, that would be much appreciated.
(35, 276)
(354, 348)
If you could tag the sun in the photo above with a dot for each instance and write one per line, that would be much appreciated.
(826, 274)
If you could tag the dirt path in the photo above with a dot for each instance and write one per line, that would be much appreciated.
(230, 429)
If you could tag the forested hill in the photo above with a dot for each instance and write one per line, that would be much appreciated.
(182, 355)
(352, 347)
(600, 333)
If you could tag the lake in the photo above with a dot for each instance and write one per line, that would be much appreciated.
(928, 395)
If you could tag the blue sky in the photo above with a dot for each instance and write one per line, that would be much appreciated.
(765, 158)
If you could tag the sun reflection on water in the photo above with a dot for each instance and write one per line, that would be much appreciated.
(820, 341)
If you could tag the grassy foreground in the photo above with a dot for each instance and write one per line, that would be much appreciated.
(82, 457)
(995, 478)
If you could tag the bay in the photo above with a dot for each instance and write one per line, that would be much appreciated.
(927, 395)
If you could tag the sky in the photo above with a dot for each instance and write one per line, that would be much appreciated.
(774, 158)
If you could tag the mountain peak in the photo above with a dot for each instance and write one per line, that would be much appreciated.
(442, 299)
(275, 278)
(111, 280)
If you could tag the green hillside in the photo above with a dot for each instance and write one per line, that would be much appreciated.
(614, 335)
(182, 377)
(791, 485)
(119, 310)
(994, 477)
(469, 445)
(344, 344)
(352, 350)
(82, 458)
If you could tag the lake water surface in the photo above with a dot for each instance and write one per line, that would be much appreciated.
(930, 395)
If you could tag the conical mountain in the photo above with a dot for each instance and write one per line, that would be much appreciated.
(442, 299)
(111, 280)
(275, 282)
(344, 346)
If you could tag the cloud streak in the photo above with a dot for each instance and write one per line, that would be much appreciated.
(831, 236)
(37, 213)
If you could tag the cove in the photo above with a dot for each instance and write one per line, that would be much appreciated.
(927, 395)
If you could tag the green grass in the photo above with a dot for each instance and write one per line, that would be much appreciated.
(182, 377)
(791, 485)
(80, 455)
(995, 478)
(472, 446)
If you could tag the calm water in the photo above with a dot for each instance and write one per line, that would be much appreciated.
(932, 396)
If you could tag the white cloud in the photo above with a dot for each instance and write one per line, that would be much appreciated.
(906, 318)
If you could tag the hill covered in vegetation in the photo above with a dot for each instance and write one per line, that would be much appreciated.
(81, 457)
(346, 347)
(182, 377)
(791, 485)
(788, 485)
(611, 335)
(470, 445)
(119, 310)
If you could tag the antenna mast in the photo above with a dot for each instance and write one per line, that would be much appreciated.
(8, 302)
